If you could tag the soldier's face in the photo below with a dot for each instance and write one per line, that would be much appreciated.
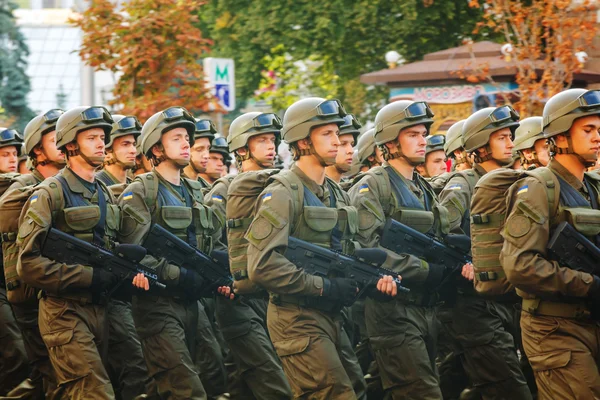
(199, 154)
(326, 142)
(435, 163)
(585, 136)
(541, 148)
(176, 144)
(215, 165)
(262, 147)
(49, 149)
(343, 161)
(412, 142)
(123, 149)
(91, 142)
(501, 145)
(8, 159)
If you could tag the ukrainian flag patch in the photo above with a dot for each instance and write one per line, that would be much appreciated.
(454, 187)
(128, 196)
(217, 198)
(363, 188)
(33, 199)
(266, 197)
(523, 189)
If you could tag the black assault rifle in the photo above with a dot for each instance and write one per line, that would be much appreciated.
(214, 269)
(124, 260)
(364, 267)
(572, 249)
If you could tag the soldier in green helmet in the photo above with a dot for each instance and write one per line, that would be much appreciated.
(218, 157)
(369, 154)
(434, 167)
(303, 316)
(402, 333)
(166, 321)
(121, 151)
(253, 138)
(559, 328)
(11, 143)
(484, 328)
(349, 132)
(71, 320)
(530, 144)
(203, 136)
(40, 148)
(454, 148)
(142, 163)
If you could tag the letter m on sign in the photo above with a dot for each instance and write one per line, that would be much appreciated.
(221, 75)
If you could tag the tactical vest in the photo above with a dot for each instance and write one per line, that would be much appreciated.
(188, 218)
(574, 208)
(472, 177)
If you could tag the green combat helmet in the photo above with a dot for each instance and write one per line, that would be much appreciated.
(10, 137)
(350, 126)
(248, 125)
(454, 142)
(38, 127)
(528, 132)
(162, 122)
(205, 129)
(435, 143)
(394, 117)
(80, 119)
(478, 128)
(366, 147)
(123, 126)
(560, 112)
(219, 145)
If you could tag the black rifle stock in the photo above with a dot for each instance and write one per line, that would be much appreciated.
(214, 269)
(572, 249)
(124, 261)
(365, 268)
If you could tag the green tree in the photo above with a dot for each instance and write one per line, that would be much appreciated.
(61, 97)
(14, 82)
(352, 35)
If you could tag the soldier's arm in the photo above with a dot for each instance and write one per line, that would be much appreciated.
(456, 197)
(216, 199)
(366, 198)
(524, 256)
(136, 221)
(38, 271)
(268, 239)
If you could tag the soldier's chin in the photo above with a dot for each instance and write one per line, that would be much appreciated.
(181, 162)
(329, 161)
(96, 161)
(415, 161)
(129, 165)
(590, 160)
(504, 161)
(343, 168)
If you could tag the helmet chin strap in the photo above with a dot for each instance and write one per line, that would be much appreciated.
(56, 163)
(587, 162)
(488, 157)
(412, 161)
(312, 152)
(115, 160)
(93, 161)
(463, 159)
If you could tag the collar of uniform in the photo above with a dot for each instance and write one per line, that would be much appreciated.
(479, 170)
(203, 182)
(564, 173)
(75, 185)
(321, 191)
(114, 181)
(37, 175)
(169, 185)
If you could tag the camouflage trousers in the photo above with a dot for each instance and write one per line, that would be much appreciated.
(13, 358)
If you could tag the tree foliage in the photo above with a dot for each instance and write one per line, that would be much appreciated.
(153, 47)
(545, 37)
(14, 82)
(352, 35)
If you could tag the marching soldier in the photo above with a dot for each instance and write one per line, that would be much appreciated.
(304, 319)
(402, 333)
(530, 144)
(71, 319)
(203, 136)
(218, 157)
(121, 151)
(435, 157)
(369, 154)
(166, 321)
(485, 328)
(349, 132)
(253, 138)
(558, 320)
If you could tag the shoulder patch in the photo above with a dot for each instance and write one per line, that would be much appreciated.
(267, 197)
(518, 225)
(364, 188)
(455, 187)
(523, 189)
(128, 196)
(217, 198)
(33, 199)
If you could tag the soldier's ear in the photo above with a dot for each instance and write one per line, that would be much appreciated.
(157, 150)
(242, 151)
(303, 144)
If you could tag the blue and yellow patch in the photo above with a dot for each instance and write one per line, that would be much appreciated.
(217, 198)
(363, 188)
(266, 197)
(128, 196)
(524, 189)
(454, 187)
(33, 200)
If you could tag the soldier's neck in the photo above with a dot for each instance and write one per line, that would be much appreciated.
(402, 167)
(463, 167)
(207, 178)
(312, 168)
(47, 170)
(190, 172)
(170, 172)
(82, 169)
(572, 163)
(117, 171)
(333, 173)
(490, 165)
(251, 165)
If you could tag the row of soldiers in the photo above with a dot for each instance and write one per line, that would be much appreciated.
(288, 333)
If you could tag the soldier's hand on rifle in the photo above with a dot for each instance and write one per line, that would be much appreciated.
(468, 272)
(387, 285)
(226, 291)
(141, 282)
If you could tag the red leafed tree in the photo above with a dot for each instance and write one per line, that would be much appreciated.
(545, 37)
(154, 49)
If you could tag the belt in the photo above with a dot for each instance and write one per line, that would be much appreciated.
(579, 310)
(317, 303)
